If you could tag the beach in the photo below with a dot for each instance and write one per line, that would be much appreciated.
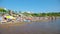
(50, 27)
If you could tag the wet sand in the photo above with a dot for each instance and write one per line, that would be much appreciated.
(47, 27)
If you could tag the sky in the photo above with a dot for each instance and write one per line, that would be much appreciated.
(32, 5)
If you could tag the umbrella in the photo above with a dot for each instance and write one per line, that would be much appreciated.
(10, 17)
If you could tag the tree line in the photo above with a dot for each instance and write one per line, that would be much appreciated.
(3, 11)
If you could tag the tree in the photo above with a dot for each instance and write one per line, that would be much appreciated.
(3, 11)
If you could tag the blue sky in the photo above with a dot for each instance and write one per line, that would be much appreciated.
(32, 5)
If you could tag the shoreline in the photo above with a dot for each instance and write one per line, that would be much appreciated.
(36, 19)
(7, 25)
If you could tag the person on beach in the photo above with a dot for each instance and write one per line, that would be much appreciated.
(18, 18)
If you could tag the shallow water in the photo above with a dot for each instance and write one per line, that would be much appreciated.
(48, 27)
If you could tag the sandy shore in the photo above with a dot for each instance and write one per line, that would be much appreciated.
(7, 25)
(30, 28)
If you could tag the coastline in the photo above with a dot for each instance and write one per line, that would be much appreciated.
(34, 19)
(7, 25)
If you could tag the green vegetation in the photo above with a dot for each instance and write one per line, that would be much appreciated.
(3, 11)
(46, 14)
